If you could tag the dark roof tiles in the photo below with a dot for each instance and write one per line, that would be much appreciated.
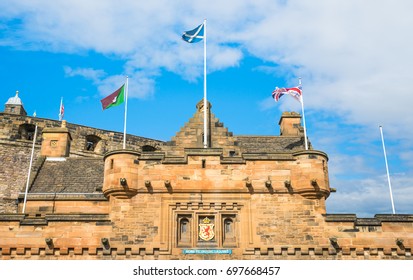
(73, 175)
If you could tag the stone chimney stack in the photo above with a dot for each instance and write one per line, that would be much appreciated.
(56, 141)
(290, 124)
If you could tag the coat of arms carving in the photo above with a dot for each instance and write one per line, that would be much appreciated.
(206, 229)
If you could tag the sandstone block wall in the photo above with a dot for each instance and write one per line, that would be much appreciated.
(147, 227)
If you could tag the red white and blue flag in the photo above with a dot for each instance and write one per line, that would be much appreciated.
(62, 110)
(294, 92)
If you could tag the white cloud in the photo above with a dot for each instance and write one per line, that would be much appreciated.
(107, 84)
(139, 85)
(87, 73)
(354, 56)
(407, 157)
(372, 196)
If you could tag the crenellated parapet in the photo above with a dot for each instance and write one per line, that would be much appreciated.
(208, 170)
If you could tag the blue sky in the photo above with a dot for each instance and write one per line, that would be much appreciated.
(354, 58)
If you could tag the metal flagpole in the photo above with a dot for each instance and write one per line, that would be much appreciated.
(126, 112)
(387, 169)
(30, 169)
(302, 109)
(205, 92)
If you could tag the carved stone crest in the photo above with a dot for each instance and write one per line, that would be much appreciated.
(206, 229)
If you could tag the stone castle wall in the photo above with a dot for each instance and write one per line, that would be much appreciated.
(12, 129)
(270, 227)
(16, 134)
(14, 166)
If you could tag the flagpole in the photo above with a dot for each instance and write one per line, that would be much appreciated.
(302, 109)
(30, 169)
(205, 91)
(126, 112)
(387, 169)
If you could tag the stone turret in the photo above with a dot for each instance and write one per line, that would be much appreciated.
(15, 106)
(121, 174)
(310, 179)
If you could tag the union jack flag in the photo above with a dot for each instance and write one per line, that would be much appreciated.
(62, 110)
(294, 92)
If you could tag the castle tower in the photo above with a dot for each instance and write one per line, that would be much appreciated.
(15, 106)
(121, 174)
(56, 141)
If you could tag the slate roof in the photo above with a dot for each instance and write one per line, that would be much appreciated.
(269, 144)
(74, 175)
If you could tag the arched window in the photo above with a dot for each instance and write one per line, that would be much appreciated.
(91, 142)
(228, 227)
(26, 131)
(229, 236)
(184, 230)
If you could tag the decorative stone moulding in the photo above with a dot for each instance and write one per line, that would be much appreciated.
(121, 174)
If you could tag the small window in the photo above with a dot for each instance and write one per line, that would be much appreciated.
(91, 142)
(229, 227)
(229, 235)
(184, 230)
(26, 131)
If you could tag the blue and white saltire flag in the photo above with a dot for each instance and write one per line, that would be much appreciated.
(195, 35)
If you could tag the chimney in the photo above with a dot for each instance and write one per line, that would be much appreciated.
(56, 141)
(290, 124)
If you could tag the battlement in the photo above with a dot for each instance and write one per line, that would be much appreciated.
(86, 141)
